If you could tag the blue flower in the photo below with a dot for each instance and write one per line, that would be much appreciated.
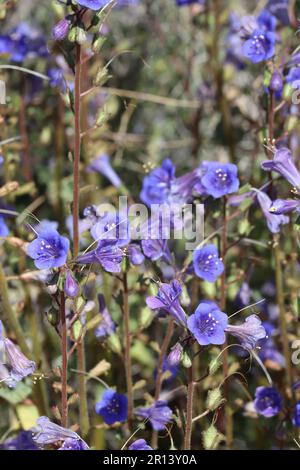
(47, 433)
(113, 407)
(23, 441)
(276, 83)
(182, 3)
(167, 299)
(283, 164)
(107, 325)
(71, 286)
(57, 79)
(18, 364)
(268, 402)
(207, 264)
(296, 416)
(293, 77)
(157, 249)
(175, 355)
(249, 332)
(135, 254)
(162, 187)
(266, 21)
(102, 165)
(279, 8)
(22, 42)
(93, 4)
(283, 206)
(49, 249)
(74, 444)
(4, 231)
(273, 221)
(260, 46)
(139, 444)
(159, 414)
(219, 179)
(61, 29)
(208, 324)
(108, 254)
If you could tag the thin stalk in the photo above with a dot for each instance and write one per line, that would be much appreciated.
(228, 415)
(27, 167)
(84, 417)
(128, 363)
(278, 269)
(189, 410)
(158, 381)
(64, 368)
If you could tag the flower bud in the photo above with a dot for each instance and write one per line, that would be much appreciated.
(71, 287)
(80, 35)
(175, 355)
(60, 30)
(276, 82)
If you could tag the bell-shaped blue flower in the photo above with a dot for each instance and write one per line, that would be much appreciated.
(113, 407)
(296, 415)
(283, 164)
(283, 206)
(249, 332)
(108, 254)
(260, 46)
(219, 179)
(273, 221)
(47, 433)
(167, 299)
(49, 249)
(102, 165)
(268, 401)
(159, 414)
(208, 324)
(207, 264)
(139, 444)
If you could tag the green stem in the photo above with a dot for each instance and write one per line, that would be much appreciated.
(189, 410)
(128, 362)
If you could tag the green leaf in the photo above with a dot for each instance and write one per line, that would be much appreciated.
(16, 395)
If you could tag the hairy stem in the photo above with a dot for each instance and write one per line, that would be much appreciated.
(64, 368)
(228, 415)
(128, 363)
(189, 410)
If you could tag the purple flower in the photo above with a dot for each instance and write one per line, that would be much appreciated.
(273, 221)
(162, 187)
(279, 8)
(296, 416)
(268, 402)
(182, 3)
(139, 444)
(71, 286)
(135, 254)
(4, 231)
(57, 79)
(49, 249)
(159, 414)
(23, 441)
(93, 4)
(249, 332)
(244, 294)
(102, 165)
(167, 299)
(19, 365)
(61, 29)
(112, 227)
(207, 264)
(293, 77)
(283, 164)
(22, 42)
(107, 325)
(175, 355)
(157, 249)
(113, 407)
(107, 254)
(219, 179)
(260, 46)
(74, 444)
(47, 433)
(266, 21)
(208, 324)
(283, 206)
(276, 82)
